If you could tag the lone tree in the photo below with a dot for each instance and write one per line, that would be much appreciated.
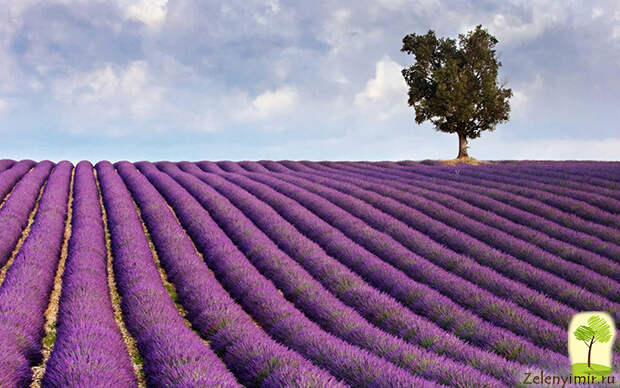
(454, 86)
(597, 330)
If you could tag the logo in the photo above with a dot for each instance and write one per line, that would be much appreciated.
(590, 340)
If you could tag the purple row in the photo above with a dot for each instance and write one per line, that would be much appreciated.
(439, 267)
(463, 202)
(173, 354)
(419, 297)
(247, 350)
(15, 211)
(8, 177)
(562, 314)
(538, 228)
(25, 292)
(561, 180)
(379, 308)
(313, 299)
(5, 164)
(587, 205)
(535, 207)
(571, 213)
(508, 255)
(607, 171)
(598, 173)
(89, 350)
(272, 311)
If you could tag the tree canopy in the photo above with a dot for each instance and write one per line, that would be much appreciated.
(454, 85)
(597, 330)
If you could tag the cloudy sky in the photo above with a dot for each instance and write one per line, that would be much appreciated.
(286, 79)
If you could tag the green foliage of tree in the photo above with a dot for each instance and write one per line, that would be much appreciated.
(455, 86)
(597, 330)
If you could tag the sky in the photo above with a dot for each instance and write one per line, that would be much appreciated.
(300, 80)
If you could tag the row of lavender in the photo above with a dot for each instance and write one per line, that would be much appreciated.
(248, 351)
(210, 167)
(453, 233)
(419, 267)
(537, 201)
(89, 350)
(561, 314)
(314, 300)
(24, 293)
(356, 303)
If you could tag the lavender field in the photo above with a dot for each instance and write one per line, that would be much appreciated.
(301, 274)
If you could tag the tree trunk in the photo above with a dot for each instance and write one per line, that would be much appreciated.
(462, 146)
(590, 352)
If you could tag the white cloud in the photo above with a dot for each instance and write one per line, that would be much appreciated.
(391, 4)
(150, 12)
(615, 29)
(271, 103)
(511, 28)
(524, 93)
(331, 52)
(267, 110)
(336, 29)
(110, 92)
(386, 92)
(346, 34)
(272, 8)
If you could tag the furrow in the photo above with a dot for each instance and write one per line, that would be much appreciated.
(23, 236)
(560, 181)
(378, 308)
(248, 351)
(310, 297)
(434, 224)
(498, 310)
(10, 178)
(14, 215)
(129, 340)
(455, 210)
(566, 218)
(89, 350)
(162, 274)
(419, 297)
(6, 164)
(51, 312)
(588, 206)
(151, 316)
(541, 223)
(278, 316)
(25, 292)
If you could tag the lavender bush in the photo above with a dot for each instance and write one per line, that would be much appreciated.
(25, 292)
(173, 354)
(248, 351)
(15, 211)
(89, 350)
(313, 299)
(275, 314)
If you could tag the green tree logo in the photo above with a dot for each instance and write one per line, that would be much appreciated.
(597, 330)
